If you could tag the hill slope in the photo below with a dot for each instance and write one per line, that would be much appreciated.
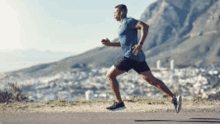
(184, 30)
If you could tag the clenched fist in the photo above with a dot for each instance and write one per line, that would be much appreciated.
(106, 42)
(136, 49)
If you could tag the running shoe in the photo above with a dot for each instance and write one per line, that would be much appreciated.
(177, 103)
(116, 107)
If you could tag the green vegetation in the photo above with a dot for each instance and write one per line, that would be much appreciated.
(12, 94)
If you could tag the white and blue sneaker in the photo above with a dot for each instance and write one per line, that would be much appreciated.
(177, 103)
(117, 107)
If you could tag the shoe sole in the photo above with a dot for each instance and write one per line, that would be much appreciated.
(121, 109)
(179, 102)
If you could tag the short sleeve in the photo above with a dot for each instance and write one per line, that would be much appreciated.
(131, 23)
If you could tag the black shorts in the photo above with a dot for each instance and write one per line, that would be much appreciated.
(125, 64)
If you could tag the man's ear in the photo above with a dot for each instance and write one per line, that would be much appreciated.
(122, 13)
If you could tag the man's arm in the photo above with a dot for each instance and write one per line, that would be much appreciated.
(108, 43)
(144, 30)
(115, 44)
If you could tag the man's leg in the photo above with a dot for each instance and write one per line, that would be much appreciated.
(176, 100)
(111, 77)
(147, 75)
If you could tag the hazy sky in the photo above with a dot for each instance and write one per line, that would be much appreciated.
(61, 25)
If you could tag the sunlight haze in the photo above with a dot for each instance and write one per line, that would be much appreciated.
(68, 25)
(10, 30)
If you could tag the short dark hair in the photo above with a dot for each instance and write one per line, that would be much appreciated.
(121, 7)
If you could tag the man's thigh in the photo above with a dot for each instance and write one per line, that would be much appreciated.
(147, 75)
(141, 67)
(124, 64)
(113, 71)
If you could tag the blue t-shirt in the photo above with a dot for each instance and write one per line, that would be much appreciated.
(128, 38)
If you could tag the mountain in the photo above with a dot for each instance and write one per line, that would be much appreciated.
(184, 30)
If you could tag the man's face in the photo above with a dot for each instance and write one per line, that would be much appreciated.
(117, 14)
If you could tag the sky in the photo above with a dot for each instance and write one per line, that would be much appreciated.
(61, 25)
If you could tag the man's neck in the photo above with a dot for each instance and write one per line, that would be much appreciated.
(123, 18)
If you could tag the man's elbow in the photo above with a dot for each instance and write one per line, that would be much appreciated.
(145, 27)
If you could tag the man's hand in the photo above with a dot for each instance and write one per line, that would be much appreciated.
(136, 49)
(106, 42)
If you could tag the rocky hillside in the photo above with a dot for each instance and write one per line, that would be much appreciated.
(184, 30)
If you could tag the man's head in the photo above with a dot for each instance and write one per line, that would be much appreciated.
(120, 12)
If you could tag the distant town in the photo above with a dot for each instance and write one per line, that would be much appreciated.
(91, 84)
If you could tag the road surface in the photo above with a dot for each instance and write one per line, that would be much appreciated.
(111, 118)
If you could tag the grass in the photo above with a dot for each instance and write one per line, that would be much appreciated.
(133, 105)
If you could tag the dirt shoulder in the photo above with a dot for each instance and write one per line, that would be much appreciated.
(132, 105)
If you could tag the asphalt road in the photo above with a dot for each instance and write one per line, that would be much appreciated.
(111, 118)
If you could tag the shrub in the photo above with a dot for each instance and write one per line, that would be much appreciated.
(5, 96)
(13, 94)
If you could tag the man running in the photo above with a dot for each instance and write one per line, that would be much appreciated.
(133, 58)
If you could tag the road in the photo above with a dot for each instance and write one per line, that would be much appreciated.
(111, 118)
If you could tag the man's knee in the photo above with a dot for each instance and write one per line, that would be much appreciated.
(109, 76)
(156, 82)
(150, 80)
